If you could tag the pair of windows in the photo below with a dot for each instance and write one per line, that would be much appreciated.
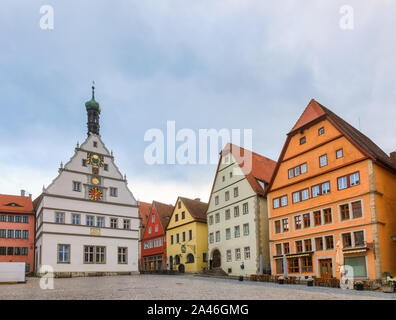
(327, 243)
(284, 227)
(356, 208)
(279, 202)
(351, 239)
(348, 181)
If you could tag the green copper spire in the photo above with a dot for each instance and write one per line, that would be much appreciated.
(92, 104)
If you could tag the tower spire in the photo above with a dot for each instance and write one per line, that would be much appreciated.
(93, 112)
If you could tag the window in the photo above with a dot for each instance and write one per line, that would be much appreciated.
(223, 178)
(308, 245)
(183, 236)
(114, 223)
(327, 215)
(247, 252)
(359, 238)
(306, 264)
(95, 144)
(190, 258)
(177, 238)
(296, 196)
(228, 234)
(329, 242)
(246, 229)
(279, 266)
(319, 244)
(300, 195)
(76, 186)
(293, 265)
(152, 218)
(321, 131)
(18, 234)
(10, 234)
(325, 188)
(236, 211)
(245, 208)
(303, 168)
(84, 162)
(231, 174)
(227, 196)
(100, 222)
(276, 203)
(285, 224)
(323, 160)
(184, 215)
(356, 209)
(283, 201)
(176, 217)
(346, 240)
(189, 235)
(278, 249)
(303, 140)
(3, 233)
(171, 239)
(236, 232)
(217, 200)
(320, 189)
(210, 220)
(227, 214)
(122, 255)
(63, 253)
(25, 219)
(90, 221)
(238, 254)
(211, 238)
(156, 228)
(236, 192)
(307, 220)
(358, 265)
(348, 181)
(286, 248)
(217, 217)
(344, 209)
(217, 236)
(228, 255)
(105, 167)
(297, 222)
(277, 226)
(127, 224)
(94, 254)
(339, 154)
(315, 191)
(204, 257)
(113, 192)
(299, 246)
(59, 217)
(75, 219)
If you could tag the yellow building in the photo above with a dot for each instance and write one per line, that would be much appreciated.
(187, 236)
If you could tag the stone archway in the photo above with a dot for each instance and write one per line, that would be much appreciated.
(216, 259)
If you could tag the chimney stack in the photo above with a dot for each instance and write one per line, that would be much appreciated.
(22, 193)
(393, 157)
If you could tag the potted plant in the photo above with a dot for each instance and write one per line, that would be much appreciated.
(358, 285)
(281, 280)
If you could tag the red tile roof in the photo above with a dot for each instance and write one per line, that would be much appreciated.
(144, 211)
(15, 204)
(262, 167)
(196, 208)
(164, 212)
(311, 112)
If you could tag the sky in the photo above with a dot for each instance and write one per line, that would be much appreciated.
(233, 64)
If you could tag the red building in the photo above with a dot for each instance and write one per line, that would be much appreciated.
(153, 244)
(17, 225)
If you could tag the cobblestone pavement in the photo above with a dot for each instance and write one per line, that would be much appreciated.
(176, 287)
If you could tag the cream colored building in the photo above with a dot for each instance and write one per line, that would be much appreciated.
(237, 214)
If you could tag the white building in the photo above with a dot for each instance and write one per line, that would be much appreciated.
(87, 218)
(237, 214)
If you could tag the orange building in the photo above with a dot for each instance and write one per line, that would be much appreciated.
(17, 230)
(332, 201)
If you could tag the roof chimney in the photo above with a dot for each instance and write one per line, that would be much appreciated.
(22, 193)
(393, 157)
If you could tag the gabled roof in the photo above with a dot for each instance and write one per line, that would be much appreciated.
(196, 208)
(315, 111)
(262, 167)
(164, 212)
(144, 212)
(15, 204)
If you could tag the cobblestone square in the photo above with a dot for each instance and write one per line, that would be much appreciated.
(184, 287)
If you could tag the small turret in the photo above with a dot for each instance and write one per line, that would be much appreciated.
(93, 112)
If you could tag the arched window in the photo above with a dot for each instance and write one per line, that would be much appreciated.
(190, 258)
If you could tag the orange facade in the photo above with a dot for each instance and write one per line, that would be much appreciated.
(332, 201)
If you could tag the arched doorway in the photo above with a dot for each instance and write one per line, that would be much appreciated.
(181, 268)
(216, 258)
(190, 258)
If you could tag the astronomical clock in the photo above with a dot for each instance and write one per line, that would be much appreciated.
(95, 192)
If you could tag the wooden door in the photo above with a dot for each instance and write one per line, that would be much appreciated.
(326, 271)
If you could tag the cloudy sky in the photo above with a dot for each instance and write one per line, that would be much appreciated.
(231, 64)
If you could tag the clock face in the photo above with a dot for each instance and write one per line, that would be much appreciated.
(95, 194)
(95, 181)
(95, 159)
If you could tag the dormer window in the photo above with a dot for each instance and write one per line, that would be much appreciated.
(303, 140)
(321, 131)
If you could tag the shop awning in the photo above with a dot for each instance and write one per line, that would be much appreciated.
(352, 251)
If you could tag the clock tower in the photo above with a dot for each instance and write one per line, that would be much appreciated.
(87, 218)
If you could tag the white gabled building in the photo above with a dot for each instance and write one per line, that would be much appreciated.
(87, 219)
(237, 215)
